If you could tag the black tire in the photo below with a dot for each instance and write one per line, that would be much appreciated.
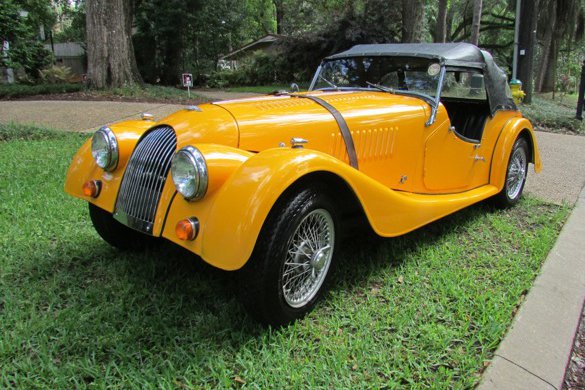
(117, 234)
(516, 173)
(273, 265)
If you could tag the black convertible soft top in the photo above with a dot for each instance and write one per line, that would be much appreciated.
(452, 55)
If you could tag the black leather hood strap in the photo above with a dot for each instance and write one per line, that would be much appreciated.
(345, 133)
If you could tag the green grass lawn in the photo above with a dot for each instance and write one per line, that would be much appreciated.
(424, 310)
(12, 91)
(150, 92)
(147, 92)
(265, 88)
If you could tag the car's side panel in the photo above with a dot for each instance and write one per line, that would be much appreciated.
(501, 152)
(387, 130)
(453, 164)
(231, 218)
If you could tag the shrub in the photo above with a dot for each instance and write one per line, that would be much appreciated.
(11, 91)
(55, 74)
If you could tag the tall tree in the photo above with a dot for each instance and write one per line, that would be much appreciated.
(476, 24)
(413, 17)
(110, 52)
(441, 27)
(527, 46)
(279, 14)
(561, 18)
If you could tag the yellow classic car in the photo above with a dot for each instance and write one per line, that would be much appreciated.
(397, 134)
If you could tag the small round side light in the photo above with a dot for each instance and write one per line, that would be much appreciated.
(92, 188)
(187, 229)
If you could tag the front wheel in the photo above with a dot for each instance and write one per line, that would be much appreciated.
(291, 263)
(515, 175)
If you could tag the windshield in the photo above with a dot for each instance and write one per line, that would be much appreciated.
(418, 75)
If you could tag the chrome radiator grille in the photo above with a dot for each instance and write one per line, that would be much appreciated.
(144, 179)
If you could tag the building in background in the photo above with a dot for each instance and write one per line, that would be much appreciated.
(266, 44)
(71, 55)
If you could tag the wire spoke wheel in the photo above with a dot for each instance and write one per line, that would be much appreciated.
(308, 257)
(516, 173)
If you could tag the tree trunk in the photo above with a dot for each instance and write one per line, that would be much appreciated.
(547, 43)
(110, 53)
(527, 43)
(550, 75)
(450, 17)
(279, 10)
(413, 17)
(441, 28)
(477, 6)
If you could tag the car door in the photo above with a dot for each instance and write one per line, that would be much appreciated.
(454, 158)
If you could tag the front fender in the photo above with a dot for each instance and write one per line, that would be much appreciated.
(501, 155)
(84, 168)
(231, 218)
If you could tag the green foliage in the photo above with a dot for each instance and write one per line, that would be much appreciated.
(373, 21)
(553, 116)
(55, 74)
(26, 52)
(11, 91)
(426, 310)
(259, 69)
(72, 25)
(190, 35)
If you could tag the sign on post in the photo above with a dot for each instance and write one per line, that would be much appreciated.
(188, 82)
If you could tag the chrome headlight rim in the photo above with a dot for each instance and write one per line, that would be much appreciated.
(200, 179)
(111, 148)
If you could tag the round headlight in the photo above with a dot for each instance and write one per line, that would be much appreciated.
(104, 149)
(189, 171)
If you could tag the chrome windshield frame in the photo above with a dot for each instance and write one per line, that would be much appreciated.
(435, 107)
(316, 77)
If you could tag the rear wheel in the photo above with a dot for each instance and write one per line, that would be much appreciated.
(291, 264)
(117, 234)
(515, 175)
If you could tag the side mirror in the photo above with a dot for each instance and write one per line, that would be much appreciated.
(294, 87)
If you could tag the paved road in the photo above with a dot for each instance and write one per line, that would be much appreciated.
(77, 116)
(563, 156)
(563, 168)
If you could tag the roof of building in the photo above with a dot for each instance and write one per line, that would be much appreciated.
(264, 41)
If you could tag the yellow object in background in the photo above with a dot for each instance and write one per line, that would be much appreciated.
(517, 93)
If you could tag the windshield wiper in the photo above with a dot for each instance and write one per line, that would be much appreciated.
(381, 87)
(328, 82)
(424, 97)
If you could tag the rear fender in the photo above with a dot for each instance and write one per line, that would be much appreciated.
(512, 130)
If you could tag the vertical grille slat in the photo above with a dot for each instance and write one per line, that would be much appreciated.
(169, 148)
(144, 179)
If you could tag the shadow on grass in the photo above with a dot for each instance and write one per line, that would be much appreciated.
(168, 305)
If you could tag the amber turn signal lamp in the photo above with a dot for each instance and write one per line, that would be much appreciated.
(92, 188)
(187, 229)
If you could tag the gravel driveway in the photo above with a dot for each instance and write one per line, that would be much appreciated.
(563, 156)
